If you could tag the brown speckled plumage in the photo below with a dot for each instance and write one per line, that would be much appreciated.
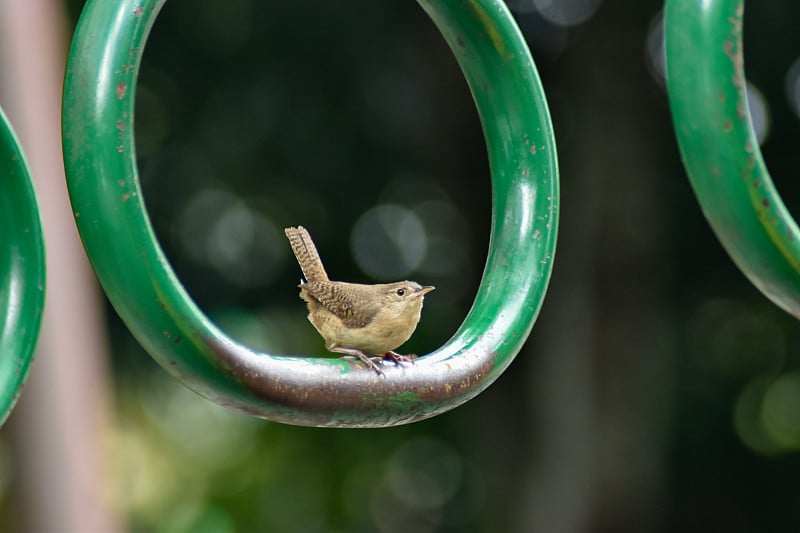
(353, 318)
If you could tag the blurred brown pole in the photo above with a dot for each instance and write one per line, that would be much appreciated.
(600, 384)
(58, 426)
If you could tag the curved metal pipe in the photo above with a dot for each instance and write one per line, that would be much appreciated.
(110, 213)
(707, 93)
(22, 269)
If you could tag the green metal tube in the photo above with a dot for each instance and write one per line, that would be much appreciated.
(107, 202)
(22, 269)
(706, 82)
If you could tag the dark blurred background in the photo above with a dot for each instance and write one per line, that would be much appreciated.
(658, 391)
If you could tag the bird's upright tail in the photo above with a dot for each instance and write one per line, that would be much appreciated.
(306, 254)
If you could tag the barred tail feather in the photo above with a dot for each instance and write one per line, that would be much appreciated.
(306, 254)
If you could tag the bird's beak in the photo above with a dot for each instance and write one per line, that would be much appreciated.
(425, 290)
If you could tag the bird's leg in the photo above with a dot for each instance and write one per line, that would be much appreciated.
(359, 354)
(396, 358)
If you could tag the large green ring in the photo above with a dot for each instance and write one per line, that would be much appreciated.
(705, 74)
(110, 213)
(22, 269)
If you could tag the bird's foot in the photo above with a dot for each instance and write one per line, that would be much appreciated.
(396, 358)
(364, 359)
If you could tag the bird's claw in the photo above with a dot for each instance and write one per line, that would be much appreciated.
(367, 361)
(372, 362)
(397, 358)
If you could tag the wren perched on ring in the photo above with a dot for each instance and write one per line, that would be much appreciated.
(356, 319)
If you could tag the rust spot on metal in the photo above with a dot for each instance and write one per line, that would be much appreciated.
(122, 89)
(727, 126)
(741, 111)
(728, 47)
(739, 13)
(120, 148)
(121, 183)
(138, 12)
(120, 125)
(765, 202)
(126, 197)
(533, 149)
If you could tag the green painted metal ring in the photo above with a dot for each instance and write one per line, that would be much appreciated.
(111, 217)
(706, 82)
(22, 269)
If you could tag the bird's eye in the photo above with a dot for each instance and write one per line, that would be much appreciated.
(401, 292)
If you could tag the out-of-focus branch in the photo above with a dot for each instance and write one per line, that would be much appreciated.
(64, 408)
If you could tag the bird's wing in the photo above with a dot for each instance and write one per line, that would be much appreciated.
(339, 303)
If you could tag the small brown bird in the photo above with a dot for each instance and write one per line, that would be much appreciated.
(356, 319)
